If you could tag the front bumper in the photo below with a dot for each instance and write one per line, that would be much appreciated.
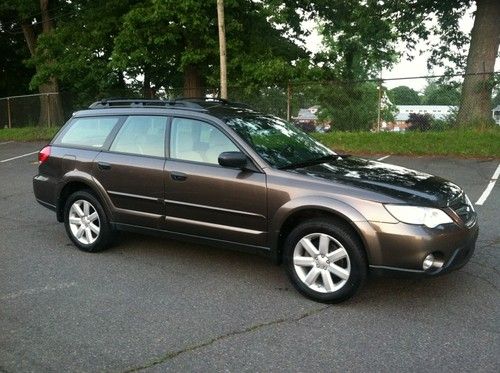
(403, 247)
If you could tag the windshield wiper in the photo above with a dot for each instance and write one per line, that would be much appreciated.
(314, 161)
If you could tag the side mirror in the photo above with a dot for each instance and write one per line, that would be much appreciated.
(233, 160)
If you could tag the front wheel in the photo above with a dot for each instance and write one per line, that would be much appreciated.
(86, 223)
(325, 260)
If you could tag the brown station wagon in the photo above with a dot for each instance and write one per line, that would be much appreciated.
(216, 172)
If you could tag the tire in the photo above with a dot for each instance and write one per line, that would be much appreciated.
(309, 269)
(87, 225)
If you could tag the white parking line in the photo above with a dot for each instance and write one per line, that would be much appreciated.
(32, 291)
(382, 158)
(489, 188)
(19, 156)
(5, 142)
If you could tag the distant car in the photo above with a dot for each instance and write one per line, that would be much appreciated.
(215, 172)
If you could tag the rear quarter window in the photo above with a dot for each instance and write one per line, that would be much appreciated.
(87, 132)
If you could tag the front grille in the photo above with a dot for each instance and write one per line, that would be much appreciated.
(463, 209)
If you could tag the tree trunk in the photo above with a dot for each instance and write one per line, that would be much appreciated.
(147, 90)
(475, 103)
(193, 86)
(51, 111)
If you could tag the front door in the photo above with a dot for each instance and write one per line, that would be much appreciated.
(131, 171)
(205, 199)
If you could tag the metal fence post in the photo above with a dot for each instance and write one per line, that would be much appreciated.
(379, 102)
(48, 110)
(8, 113)
(288, 101)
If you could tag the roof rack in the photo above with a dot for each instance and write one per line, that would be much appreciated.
(108, 103)
(214, 99)
(211, 99)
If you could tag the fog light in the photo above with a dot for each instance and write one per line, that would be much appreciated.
(431, 262)
(428, 262)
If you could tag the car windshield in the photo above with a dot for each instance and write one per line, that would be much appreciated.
(280, 143)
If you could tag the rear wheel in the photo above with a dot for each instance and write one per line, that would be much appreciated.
(325, 260)
(86, 223)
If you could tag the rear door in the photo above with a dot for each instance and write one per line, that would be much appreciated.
(131, 171)
(205, 199)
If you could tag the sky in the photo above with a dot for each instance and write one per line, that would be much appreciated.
(405, 68)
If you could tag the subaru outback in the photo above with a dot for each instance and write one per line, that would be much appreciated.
(215, 172)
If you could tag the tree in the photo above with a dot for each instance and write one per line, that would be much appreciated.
(176, 43)
(359, 38)
(351, 107)
(475, 103)
(348, 22)
(441, 94)
(78, 52)
(403, 95)
(36, 21)
(15, 76)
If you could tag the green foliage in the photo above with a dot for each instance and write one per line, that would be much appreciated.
(403, 95)
(441, 125)
(496, 98)
(15, 76)
(359, 37)
(441, 94)
(419, 122)
(349, 107)
(79, 50)
(271, 100)
(163, 38)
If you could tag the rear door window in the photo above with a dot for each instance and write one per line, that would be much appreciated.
(87, 132)
(141, 135)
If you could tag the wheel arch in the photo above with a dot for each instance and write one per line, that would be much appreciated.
(290, 215)
(73, 184)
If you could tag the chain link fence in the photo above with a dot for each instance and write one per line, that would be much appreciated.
(424, 103)
(35, 110)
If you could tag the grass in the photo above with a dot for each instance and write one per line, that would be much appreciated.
(27, 133)
(462, 143)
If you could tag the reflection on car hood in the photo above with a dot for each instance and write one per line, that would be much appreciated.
(412, 186)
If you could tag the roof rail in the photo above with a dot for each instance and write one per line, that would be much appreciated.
(140, 103)
(212, 99)
(215, 99)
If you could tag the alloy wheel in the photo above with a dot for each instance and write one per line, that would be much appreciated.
(84, 222)
(321, 263)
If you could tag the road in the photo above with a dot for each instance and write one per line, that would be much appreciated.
(151, 304)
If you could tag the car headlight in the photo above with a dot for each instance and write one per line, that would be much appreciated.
(428, 216)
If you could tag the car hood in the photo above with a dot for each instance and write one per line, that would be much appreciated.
(408, 185)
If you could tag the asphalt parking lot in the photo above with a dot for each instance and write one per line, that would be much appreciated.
(153, 304)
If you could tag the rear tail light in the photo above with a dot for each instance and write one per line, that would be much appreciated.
(44, 154)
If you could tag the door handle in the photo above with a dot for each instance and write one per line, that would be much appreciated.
(103, 165)
(178, 176)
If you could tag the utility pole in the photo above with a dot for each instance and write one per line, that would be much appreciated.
(288, 101)
(379, 101)
(222, 49)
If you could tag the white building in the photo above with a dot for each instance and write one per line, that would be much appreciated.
(437, 111)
